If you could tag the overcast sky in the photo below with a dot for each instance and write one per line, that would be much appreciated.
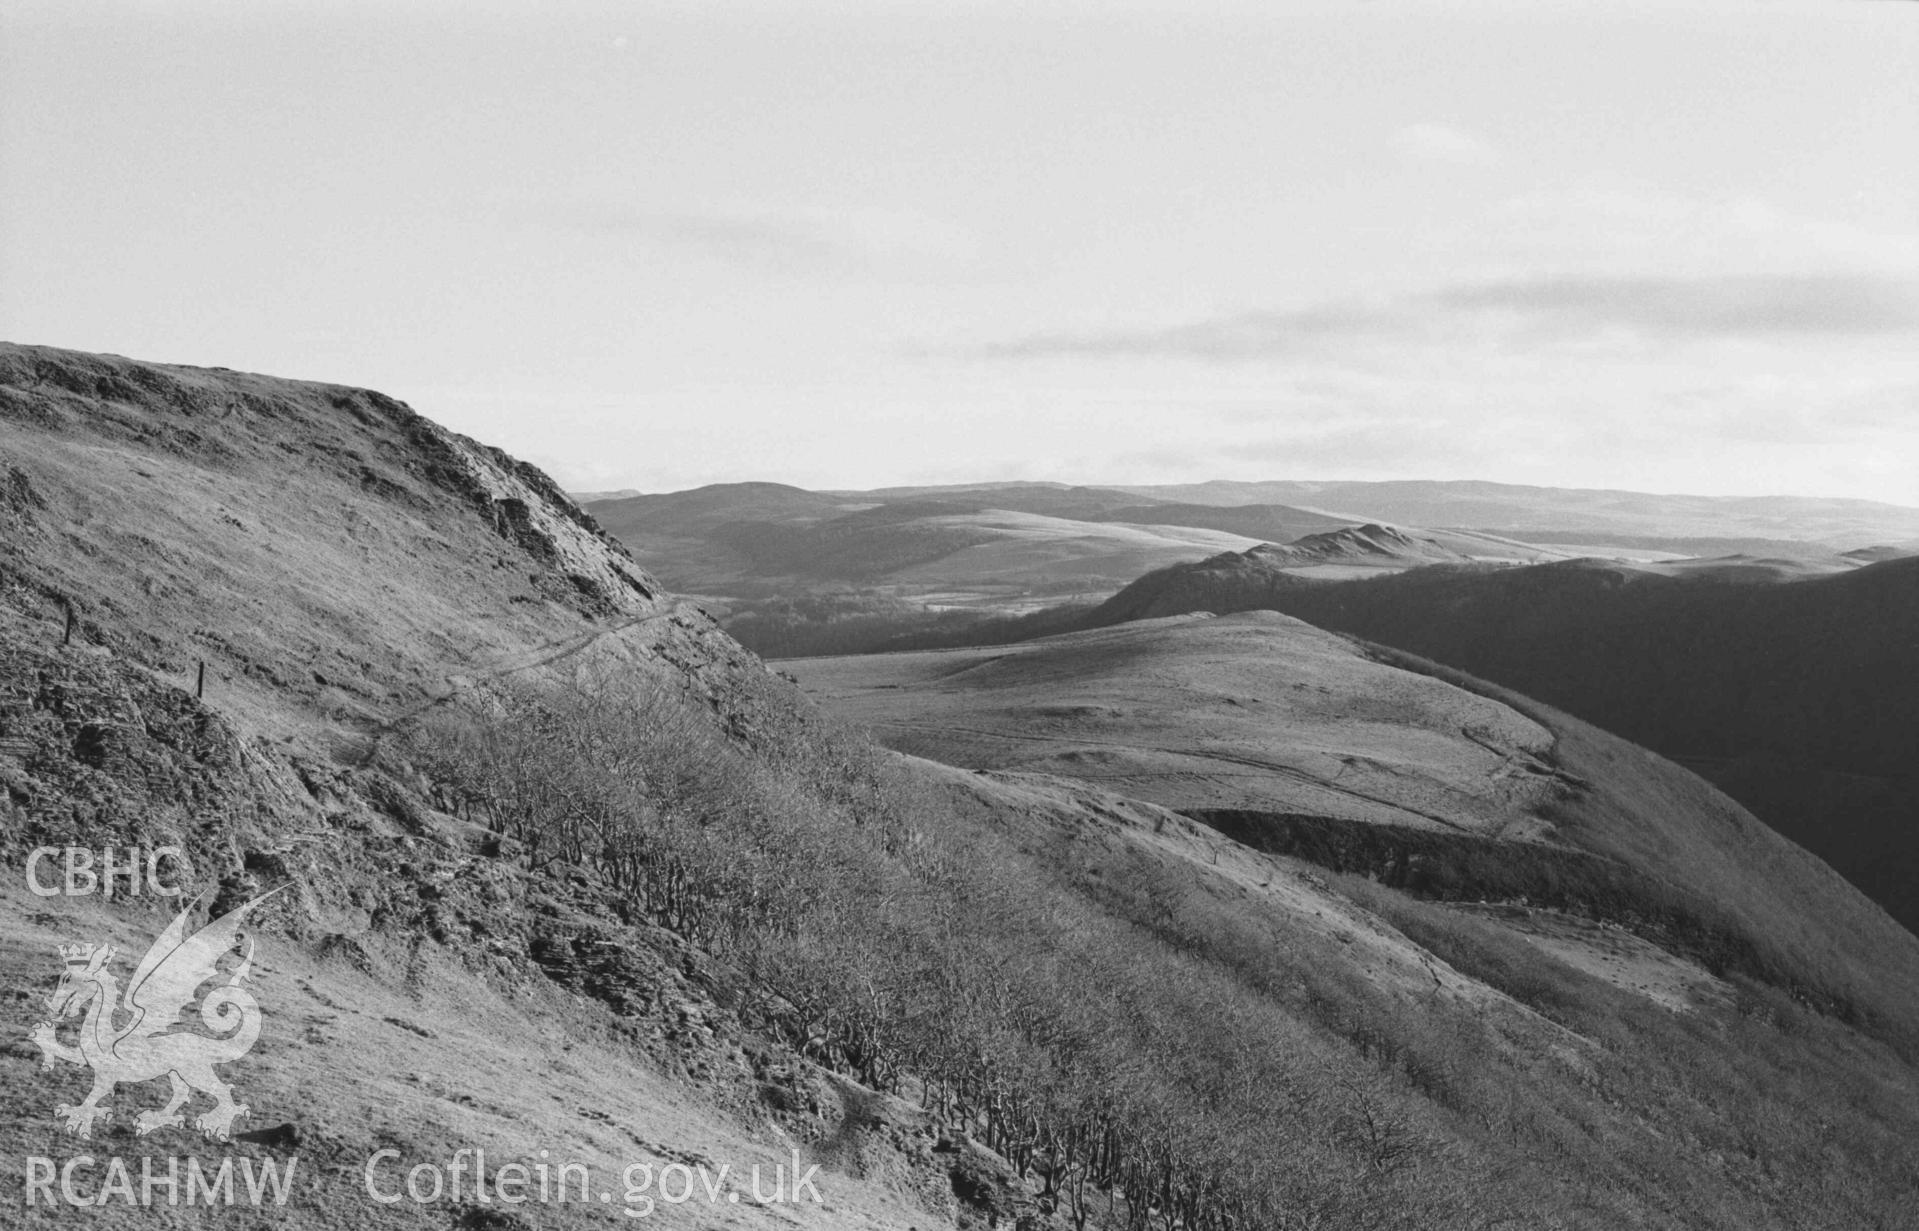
(844, 245)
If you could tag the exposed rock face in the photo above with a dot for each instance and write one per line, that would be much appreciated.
(91, 748)
(329, 563)
(327, 553)
(17, 497)
(336, 564)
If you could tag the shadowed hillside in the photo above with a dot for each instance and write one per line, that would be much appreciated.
(1795, 691)
(1261, 715)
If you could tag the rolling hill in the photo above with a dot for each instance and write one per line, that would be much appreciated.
(1254, 712)
(1297, 739)
(1790, 684)
(1304, 935)
(1061, 500)
(996, 547)
(796, 572)
(1271, 523)
(792, 571)
(1594, 517)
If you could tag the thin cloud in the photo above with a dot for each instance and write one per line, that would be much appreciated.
(1650, 228)
(1520, 312)
(795, 241)
(1442, 143)
(731, 237)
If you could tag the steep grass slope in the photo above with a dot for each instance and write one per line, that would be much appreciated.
(1297, 740)
(1252, 712)
(570, 871)
(325, 551)
(345, 568)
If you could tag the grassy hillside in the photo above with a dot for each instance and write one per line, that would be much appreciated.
(346, 571)
(1643, 884)
(993, 548)
(1257, 720)
(569, 870)
(1795, 692)
(1274, 523)
(1045, 499)
(1256, 711)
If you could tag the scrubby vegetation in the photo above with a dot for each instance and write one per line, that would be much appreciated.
(1147, 1049)
(1438, 866)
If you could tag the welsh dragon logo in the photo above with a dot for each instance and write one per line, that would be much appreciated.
(148, 1043)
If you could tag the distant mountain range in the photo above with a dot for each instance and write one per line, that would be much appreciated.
(990, 546)
(959, 546)
(1765, 642)
(1539, 514)
(996, 545)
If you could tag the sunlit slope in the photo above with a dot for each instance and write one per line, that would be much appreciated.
(330, 555)
(1251, 711)
(1031, 550)
(343, 566)
(374, 1041)
(987, 545)
(1271, 726)
(738, 538)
